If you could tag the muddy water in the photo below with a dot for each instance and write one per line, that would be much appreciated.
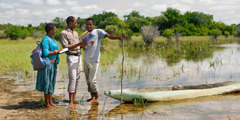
(149, 71)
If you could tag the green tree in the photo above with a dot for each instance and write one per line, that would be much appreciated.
(173, 17)
(59, 22)
(226, 33)
(81, 23)
(135, 23)
(15, 32)
(101, 17)
(112, 21)
(134, 14)
(111, 29)
(238, 30)
(198, 18)
(160, 21)
(215, 33)
(218, 25)
(127, 31)
(3, 26)
(2, 35)
(168, 33)
(41, 26)
(203, 30)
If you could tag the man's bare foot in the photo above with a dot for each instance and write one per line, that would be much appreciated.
(97, 97)
(71, 105)
(92, 100)
(75, 102)
(53, 105)
(48, 107)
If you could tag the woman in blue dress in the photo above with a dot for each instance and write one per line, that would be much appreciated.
(46, 77)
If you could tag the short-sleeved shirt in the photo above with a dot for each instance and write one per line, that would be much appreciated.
(92, 52)
(50, 47)
(69, 37)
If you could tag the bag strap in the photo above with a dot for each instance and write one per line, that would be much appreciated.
(49, 43)
(38, 42)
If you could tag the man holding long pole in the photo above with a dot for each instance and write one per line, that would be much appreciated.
(92, 56)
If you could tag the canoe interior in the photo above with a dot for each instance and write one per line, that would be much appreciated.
(182, 87)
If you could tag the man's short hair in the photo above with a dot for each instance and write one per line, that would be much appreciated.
(70, 19)
(49, 27)
(88, 19)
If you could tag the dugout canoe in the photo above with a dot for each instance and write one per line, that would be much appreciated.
(176, 92)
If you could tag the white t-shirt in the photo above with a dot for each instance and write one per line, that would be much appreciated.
(92, 52)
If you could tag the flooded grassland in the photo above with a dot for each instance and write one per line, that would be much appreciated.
(196, 60)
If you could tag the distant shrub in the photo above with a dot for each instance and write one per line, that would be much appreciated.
(168, 33)
(238, 31)
(58, 31)
(37, 34)
(149, 33)
(111, 29)
(128, 32)
(2, 36)
(15, 32)
(215, 33)
(226, 33)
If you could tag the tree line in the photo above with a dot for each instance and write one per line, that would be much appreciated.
(170, 22)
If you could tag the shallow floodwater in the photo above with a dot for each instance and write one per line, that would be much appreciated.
(150, 71)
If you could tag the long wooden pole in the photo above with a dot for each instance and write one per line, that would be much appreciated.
(122, 69)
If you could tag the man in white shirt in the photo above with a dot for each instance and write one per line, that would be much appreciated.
(92, 56)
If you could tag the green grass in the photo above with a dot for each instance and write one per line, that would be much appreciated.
(15, 55)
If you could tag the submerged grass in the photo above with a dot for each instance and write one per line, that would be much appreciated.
(139, 102)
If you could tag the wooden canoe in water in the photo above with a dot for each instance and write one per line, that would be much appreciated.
(176, 92)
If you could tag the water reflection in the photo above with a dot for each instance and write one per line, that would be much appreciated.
(93, 112)
(205, 108)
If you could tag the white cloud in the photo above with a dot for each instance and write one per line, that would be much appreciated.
(71, 2)
(53, 2)
(206, 2)
(137, 5)
(159, 7)
(86, 9)
(35, 2)
(91, 7)
(188, 1)
(181, 7)
(55, 11)
(112, 10)
(6, 6)
(77, 9)
(224, 8)
(37, 11)
(22, 11)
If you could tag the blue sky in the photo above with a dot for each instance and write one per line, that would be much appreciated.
(23, 12)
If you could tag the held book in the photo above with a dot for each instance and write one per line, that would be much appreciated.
(63, 50)
(89, 38)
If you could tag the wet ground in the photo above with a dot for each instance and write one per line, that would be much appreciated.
(144, 71)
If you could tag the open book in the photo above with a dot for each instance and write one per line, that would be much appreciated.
(87, 36)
